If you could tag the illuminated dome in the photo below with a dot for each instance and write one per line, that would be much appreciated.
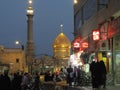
(61, 46)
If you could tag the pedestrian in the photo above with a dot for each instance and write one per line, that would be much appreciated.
(62, 74)
(103, 73)
(37, 81)
(70, 75)
(5, 81)
(1, 80)
(16, 82)
(78, 75)
(94, 69)
(25, 81)
(75, 75)
(47, 76)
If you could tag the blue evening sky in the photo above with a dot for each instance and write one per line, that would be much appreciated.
(48, 15)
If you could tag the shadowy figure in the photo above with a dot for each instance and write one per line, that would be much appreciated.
(103, 73)
(5, 82)
(70, 75)
(16, 82)
(25, 81)
(75, 75)
(37, 82)
(94, 68)
(78, 75)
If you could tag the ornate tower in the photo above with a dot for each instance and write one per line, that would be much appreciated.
(30, 41)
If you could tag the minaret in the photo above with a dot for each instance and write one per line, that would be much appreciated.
(30, 41)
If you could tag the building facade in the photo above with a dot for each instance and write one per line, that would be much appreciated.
(12, 59)
(103, 15)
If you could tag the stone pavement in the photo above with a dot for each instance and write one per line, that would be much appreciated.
(107, 88)
(63, 86)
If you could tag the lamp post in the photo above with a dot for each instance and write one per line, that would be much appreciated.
(22, 47)
(18, 43)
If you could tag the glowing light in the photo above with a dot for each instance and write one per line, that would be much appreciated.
(61, 25)
(75, 60)
(63, 45)
(30, 2)
(96, 34)
(85, 45)
(75, 63)
(109, 53)
(75, 1)
(30, 11)
(76, 45)
(17, 42)
(80, 63)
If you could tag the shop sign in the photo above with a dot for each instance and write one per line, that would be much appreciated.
(114, 27)
(84, 45)
(96, 34)
(104, 31)
(76, 45)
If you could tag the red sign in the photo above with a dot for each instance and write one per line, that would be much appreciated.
(96, 34)
(114, 27)
(85, 45)
(103, 31)
(76, 45)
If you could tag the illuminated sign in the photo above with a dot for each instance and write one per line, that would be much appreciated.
(96, 34)
(76, 45)
(85, 45)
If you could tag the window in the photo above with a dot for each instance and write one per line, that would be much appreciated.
(17, 60)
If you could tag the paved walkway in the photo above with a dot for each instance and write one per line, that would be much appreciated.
(107, 88)
(64, 86)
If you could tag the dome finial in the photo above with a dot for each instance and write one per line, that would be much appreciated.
(61, 28)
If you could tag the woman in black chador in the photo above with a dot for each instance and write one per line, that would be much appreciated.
(103, 73)
(94, 68)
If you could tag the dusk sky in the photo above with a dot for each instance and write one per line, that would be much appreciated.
(48, 15)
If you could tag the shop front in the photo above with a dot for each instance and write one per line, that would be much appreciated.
(108, 49)
(114, 46)
(117, 59)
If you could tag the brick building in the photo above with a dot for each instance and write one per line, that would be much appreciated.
(12, 59)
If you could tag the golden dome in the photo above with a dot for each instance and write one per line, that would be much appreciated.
(61, 46)
(61, 41)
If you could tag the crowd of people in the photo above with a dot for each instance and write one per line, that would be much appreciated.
(72, 75)
(26, 81)
(19, 81)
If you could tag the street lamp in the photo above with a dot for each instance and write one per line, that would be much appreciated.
(18, 43)
(22, 62)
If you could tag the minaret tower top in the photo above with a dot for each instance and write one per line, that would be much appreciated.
(30, 10)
